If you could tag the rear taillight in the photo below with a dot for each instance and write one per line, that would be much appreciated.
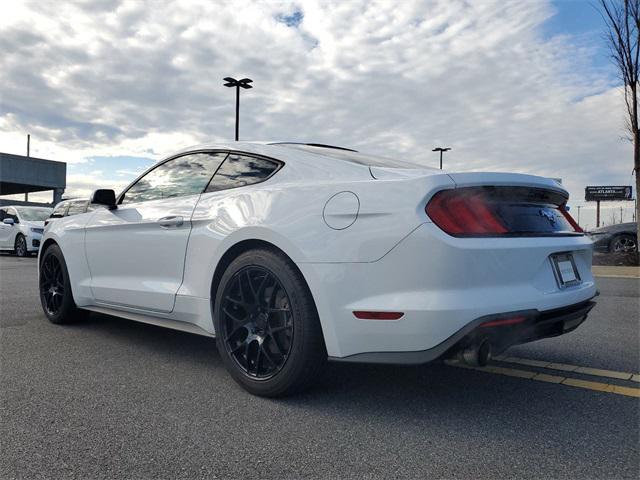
(501, 211)
(464, 212)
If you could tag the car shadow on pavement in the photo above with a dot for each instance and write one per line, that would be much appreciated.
(390, 388)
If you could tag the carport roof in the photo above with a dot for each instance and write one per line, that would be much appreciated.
(20, 174)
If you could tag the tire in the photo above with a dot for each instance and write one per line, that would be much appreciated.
(623, 243)
(267, 328)
(54, 288)
(21, 246)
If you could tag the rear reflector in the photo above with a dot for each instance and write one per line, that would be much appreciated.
(501, 211)
(362, 315)
(503, 321)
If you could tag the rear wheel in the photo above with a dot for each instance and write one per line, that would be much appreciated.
(55, 289)
(267, 328)
(623, 243)
(21, 246)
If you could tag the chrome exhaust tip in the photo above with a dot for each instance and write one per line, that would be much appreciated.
(477, 354)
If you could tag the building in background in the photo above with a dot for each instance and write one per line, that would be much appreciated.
(23, 175)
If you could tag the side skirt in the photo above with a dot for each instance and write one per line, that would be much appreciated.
(151, 320)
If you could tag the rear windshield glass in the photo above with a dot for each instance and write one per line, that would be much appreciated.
(354, 157)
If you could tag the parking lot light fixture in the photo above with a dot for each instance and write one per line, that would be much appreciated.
(242, 83)
(441, 150)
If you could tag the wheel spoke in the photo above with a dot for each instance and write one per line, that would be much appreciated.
(231, 315)
(254, 300)
(233, 333)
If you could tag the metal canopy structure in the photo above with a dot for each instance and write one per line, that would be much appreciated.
(20, 174)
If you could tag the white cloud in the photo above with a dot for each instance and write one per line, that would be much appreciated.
(129, 78)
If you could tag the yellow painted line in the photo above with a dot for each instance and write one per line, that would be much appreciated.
(629, 391)
(562, 366)
(594, 372)
(597, 386)
(543, 377)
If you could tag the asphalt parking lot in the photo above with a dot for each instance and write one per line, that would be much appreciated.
(110, 398)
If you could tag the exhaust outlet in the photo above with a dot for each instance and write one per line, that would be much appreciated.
(477, 354)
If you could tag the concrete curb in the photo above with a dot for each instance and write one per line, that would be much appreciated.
(615, 272)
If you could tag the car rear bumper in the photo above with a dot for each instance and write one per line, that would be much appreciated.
(536, 326)
(444, 287)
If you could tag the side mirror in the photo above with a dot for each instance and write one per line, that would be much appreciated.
(104, 197)
(8, 221)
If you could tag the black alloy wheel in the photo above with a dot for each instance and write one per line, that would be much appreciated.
(55, 288)
(257, 323)
(21, 246)
(267, 328)
(52, 285)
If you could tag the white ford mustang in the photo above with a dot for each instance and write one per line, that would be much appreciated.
(290, 254)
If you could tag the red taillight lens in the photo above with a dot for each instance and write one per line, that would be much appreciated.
(570, 219)
(464, 212)
(367, 315)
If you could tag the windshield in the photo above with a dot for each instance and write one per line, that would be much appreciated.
(34, 214)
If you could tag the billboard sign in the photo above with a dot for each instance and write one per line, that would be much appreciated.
(604, 193)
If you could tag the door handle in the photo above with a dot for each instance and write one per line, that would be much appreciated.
(171, 221)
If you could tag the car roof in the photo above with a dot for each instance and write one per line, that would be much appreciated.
(307, 153)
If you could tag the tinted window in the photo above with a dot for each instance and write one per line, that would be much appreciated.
(241, 170)
(186, 175)
(77, 207)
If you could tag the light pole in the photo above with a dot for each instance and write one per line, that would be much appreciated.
(244, 83)
(441, 150)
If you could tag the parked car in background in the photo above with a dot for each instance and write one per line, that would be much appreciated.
(21, 228)
(615, 238)
(289, 254)
(66, 208)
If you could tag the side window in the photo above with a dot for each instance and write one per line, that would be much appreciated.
(185, 175)
(241, 170)
(59, 210)
(3, 214)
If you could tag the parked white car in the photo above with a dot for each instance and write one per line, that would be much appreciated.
(290, 254)
(21, 228)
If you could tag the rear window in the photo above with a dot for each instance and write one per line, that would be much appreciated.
(240, 170)
(354, 157)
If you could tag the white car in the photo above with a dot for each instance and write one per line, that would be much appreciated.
(290, 254)
(21, 228)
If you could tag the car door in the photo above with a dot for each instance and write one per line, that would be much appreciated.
(136, 252)
(5, 230)
(8, 232)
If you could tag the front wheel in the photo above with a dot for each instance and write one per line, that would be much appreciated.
(55, 288)
(267, 328)
(21, 246)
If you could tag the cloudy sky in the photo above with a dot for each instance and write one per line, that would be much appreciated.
(111, 87)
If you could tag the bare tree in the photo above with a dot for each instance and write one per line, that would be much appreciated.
(622, 18)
